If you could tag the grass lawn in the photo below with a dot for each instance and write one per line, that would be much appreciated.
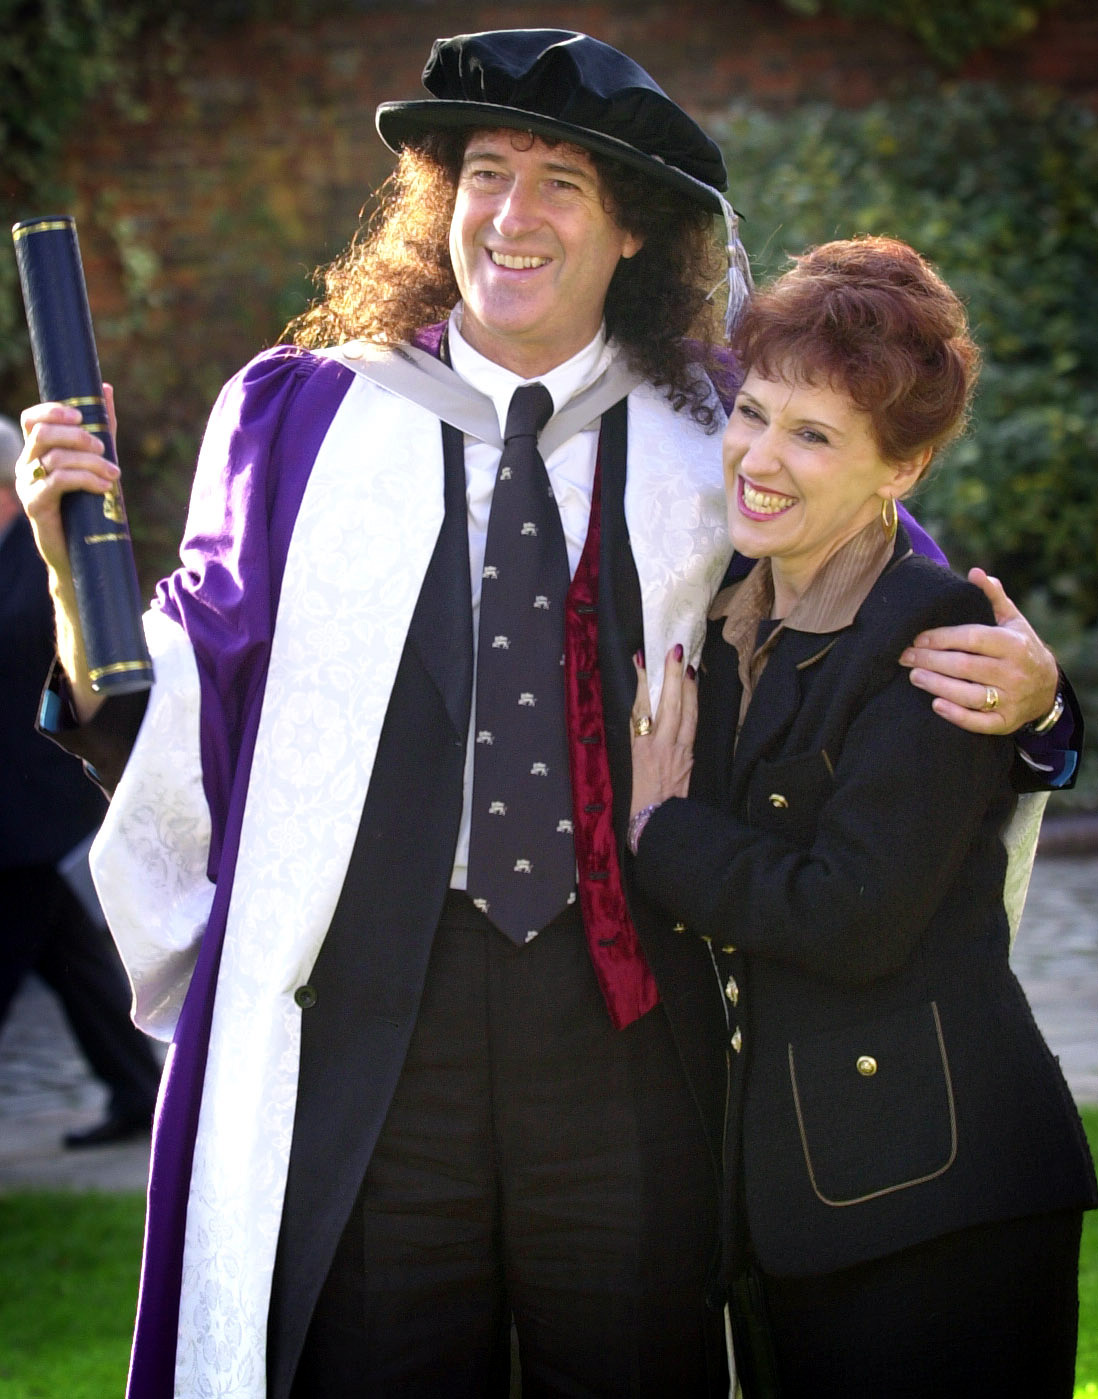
(68, 1285)
(68, 1288)
(1086, 1364)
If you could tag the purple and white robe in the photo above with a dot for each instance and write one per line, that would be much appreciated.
(318, 497)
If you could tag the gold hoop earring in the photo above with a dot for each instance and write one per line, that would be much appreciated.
(889, 517)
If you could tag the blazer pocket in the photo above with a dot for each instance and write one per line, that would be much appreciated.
(785, 797)
(874, 1106)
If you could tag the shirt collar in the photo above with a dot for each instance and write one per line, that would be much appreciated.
(498, 384)
(829, 603)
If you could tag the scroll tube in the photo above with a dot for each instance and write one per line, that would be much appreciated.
(101, 557)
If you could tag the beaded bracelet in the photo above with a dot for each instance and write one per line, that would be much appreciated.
(637, 824)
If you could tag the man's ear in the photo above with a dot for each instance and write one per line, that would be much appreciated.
(632, 246)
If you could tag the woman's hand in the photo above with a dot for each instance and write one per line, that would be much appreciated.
(663, 754)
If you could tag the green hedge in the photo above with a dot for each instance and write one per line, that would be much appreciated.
(949, 30)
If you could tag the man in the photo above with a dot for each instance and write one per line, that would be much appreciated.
(47, 811)
(402, 1108)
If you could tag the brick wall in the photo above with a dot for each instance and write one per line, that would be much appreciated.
(242, 160)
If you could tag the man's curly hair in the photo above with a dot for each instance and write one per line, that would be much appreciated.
(396, 275)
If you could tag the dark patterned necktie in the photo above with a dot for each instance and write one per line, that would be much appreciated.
(521, 856)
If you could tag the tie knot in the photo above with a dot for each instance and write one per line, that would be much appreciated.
(530, 409)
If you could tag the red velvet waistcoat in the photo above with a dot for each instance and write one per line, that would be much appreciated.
(625, 978)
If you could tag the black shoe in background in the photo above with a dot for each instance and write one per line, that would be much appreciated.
(114, 1128)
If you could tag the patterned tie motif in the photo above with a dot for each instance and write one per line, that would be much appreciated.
(521, 857)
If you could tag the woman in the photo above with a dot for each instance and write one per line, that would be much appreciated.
(905, 1167)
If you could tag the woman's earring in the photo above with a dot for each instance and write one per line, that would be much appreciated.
(889, 517)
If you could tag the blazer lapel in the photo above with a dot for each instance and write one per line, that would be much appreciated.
(442, 624)
(777, 700)
(621, 621)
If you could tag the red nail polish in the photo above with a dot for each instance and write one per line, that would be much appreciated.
(678, 652)
(639, 658)
(691, 672)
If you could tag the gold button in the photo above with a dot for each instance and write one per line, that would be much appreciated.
(680, 928)
(732, 991)
(737, 1040)
(776, 799)
(867, 1065)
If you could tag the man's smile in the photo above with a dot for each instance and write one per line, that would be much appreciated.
(516, 262)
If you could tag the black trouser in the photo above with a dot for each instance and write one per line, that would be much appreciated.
(986, 1313)
(536, 1164)
(45, 929)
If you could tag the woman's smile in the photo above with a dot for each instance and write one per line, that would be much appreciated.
(759, 504)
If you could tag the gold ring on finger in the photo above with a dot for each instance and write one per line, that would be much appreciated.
(991, 700)
(642, 727)
(39, 473)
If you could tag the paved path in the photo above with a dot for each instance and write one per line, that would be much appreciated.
(1056, 959)
(45, 1089)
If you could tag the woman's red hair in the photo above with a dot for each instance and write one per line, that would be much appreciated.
(870, 317)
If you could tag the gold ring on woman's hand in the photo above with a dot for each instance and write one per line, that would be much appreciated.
(642, 727)
(39, 473)
(991, 700)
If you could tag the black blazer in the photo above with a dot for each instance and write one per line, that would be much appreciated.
(889, 1083)
(47, 805)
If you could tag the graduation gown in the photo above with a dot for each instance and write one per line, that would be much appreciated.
(317, 508)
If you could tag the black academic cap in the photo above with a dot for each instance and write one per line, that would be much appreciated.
(564, 86)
